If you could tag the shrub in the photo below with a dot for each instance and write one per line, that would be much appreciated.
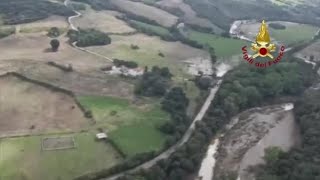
(277, 26)
(128, 64)
(54, 45)
(134, 47)
(53, 32)
(88, 37)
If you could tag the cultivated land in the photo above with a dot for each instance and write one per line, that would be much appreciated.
(28, 108)
(293, 33)
(131, 125)
(104, 21)
(224, 47)
(162, 17)
(189, 16)
(153, 28)
(22, 158)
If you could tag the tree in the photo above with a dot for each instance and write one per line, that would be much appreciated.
(54, 44)
(53, 32)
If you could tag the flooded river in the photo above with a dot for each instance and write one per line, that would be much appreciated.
(283, 132)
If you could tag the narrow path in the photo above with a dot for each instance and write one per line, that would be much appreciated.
(73, 27)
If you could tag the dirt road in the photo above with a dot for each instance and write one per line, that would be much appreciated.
(73, 27)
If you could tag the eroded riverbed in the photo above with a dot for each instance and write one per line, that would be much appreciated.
(246, 138)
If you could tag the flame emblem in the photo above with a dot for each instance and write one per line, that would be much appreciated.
(263, 47)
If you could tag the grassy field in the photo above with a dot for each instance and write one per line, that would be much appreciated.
(128, 123)
(175, 53)
(294, 33)
(22, 159)
(224, 47)
(104, 21)
(156, 29)
(30, 108)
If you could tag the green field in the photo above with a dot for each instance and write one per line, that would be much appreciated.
(130, 124)
(22, 159)
(224, 47)
(294, 33)
(153, 28)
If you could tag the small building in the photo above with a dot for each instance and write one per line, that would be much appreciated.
(101, 136)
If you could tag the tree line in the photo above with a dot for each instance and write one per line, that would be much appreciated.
(154, 82)
(25, 11)
(88, 37)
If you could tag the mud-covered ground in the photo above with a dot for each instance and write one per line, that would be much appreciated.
(243, 145)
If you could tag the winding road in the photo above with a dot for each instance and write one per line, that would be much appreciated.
(187, 134)
(73, 27)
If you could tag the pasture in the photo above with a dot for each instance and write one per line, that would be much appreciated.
(189, 16)
(36, 47)
(28, 108)
(224, 47)
(153, 28)
(22, 158)
(104, 21)
(128, 122)
(293, 33)
(175, 53)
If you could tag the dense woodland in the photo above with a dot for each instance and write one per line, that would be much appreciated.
(154, 82)
(24, 11)
(88, 37)
(243, 88)
(302, 163)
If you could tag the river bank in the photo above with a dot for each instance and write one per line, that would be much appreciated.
(244, 143)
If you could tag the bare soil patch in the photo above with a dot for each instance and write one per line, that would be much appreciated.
(256, 129)
(27, 108)
(162, 17)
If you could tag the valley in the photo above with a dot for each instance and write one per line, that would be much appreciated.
(162, 79)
